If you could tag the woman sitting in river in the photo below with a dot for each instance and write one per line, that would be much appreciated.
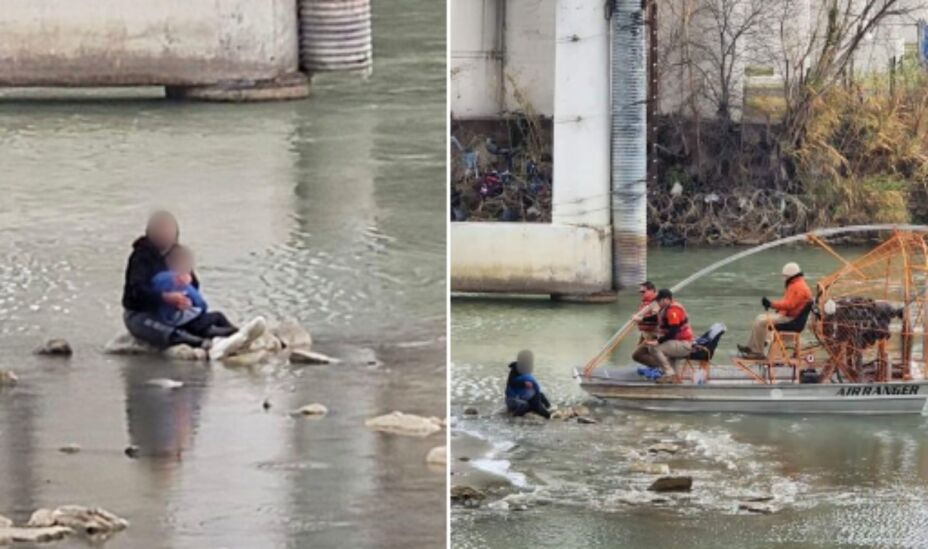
(143, 303)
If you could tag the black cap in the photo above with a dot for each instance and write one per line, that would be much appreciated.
(664, 293)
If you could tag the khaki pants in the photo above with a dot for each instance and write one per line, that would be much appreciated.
(761, 336)
(664, 355)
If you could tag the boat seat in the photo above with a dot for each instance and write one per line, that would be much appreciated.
(785, 350)
(790, 332)
(702, 352)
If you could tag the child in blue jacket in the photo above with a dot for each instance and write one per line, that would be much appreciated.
(523, 393)
(196, 319)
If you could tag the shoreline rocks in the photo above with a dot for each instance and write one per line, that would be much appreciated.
(405, 424)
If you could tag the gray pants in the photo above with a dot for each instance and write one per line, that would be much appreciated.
(149, 328)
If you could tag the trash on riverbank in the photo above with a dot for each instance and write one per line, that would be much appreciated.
(55, 347)
(399, 423)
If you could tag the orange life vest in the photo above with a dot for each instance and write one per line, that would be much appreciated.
(674, 316)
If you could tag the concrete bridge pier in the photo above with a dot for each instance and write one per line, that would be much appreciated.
(571, 257)
(212, 50)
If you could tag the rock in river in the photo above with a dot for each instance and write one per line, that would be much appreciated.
(467, 496)
(55, 347)
(8, 378)
(437, 456)
(186, 352)
(672, 484)
(88, 520)
(125, 344)
(314, 409)
(70, 448)
(33, 535)
(649, 468)
(303, 356)
(293, 335)
(665, 447)
(247, 359)
(756, 508)
(405, 424)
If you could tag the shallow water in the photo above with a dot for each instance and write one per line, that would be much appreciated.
(329, 211)
(834, 481)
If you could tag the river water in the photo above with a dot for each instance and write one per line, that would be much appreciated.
(330, 211)
(834, 481)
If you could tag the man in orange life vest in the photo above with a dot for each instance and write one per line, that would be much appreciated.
(795, 298)
(675, 340)
(646, 317)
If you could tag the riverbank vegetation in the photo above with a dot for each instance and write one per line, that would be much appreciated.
(813, 133)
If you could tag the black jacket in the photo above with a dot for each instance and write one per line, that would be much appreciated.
(144, 263)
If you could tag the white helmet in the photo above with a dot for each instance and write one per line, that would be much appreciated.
(791, 269)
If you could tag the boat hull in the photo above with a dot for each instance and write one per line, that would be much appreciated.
(626, 389)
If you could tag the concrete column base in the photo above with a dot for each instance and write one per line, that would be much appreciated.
(286, 88)
(597, 297)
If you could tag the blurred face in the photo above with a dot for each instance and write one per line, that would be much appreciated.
(664, 302)
(162, 231)
(181, 262)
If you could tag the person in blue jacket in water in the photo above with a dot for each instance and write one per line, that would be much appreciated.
(523, 393)
(196, 319)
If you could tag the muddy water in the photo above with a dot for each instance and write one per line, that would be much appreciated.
(329, 211)
(830, 481)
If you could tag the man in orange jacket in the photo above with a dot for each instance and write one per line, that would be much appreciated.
(795, 299)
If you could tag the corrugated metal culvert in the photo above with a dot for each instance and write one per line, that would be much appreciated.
(335, 35)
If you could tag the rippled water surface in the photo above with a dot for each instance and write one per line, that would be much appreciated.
(330, 211)
(830, 481)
